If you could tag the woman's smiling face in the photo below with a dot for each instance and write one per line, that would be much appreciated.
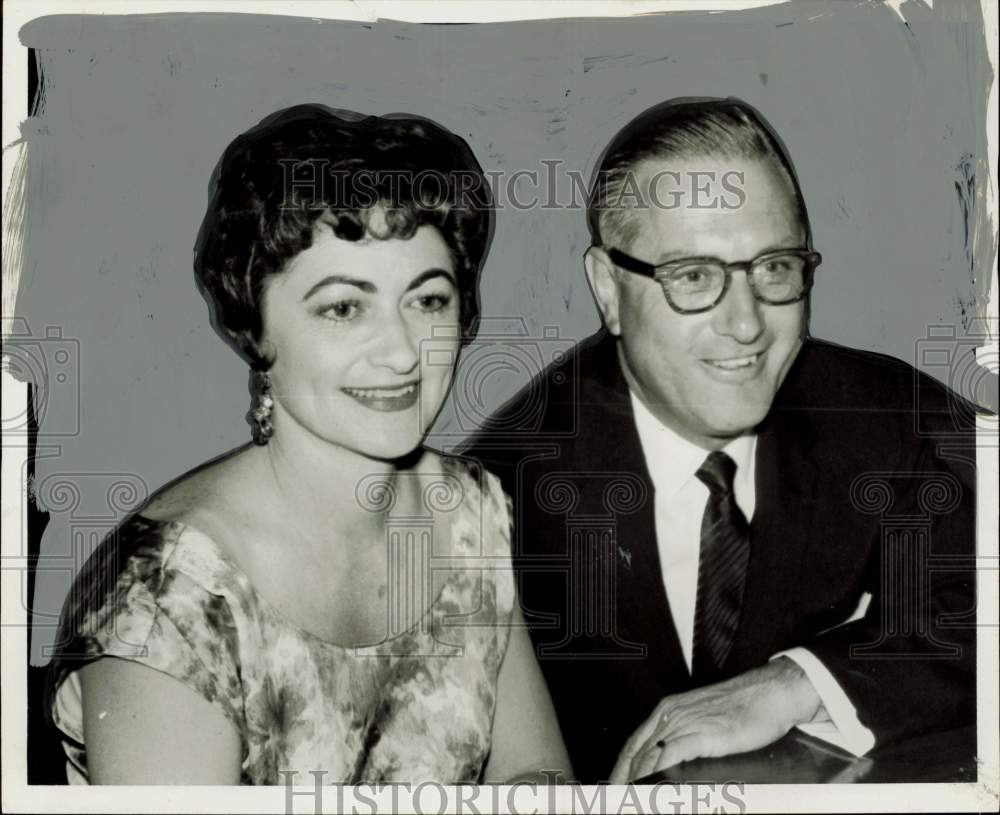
(346, 323)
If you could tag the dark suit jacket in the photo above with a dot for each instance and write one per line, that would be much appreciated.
(865, 481)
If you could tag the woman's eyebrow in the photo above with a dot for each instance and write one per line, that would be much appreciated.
(423, 277)
(365, 285)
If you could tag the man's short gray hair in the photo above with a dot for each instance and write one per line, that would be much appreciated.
(680, 129)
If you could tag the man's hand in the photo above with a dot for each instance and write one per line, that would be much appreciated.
(744, 713)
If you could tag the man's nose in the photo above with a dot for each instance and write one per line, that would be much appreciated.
(397, 348)
(738, 315)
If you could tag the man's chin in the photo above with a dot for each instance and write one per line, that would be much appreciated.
(729, 426)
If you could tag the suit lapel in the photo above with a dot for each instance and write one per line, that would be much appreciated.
(643, 611)
(781, 528)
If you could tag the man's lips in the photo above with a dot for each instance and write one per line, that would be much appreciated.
(732, 363)
(737, 367)
(399, 397)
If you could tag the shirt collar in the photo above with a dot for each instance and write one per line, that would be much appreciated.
(673, 460)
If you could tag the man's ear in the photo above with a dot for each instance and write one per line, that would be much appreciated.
(604, 280)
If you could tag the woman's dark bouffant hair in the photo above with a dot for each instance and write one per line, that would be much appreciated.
(309, 163)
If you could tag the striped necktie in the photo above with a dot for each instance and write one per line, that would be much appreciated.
(722, 569)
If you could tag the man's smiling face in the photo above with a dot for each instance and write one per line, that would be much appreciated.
(709, 376)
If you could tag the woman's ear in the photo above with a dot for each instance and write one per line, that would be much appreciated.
(258, 354)
(603, 277)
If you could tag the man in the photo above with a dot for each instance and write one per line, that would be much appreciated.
(726, 528)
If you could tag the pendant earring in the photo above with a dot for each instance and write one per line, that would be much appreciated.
(260, 407)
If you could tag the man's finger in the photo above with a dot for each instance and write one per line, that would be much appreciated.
(682, 748)
(650, 758)
(619, 775)
(644, 762)
(636, 743)
(657, 735)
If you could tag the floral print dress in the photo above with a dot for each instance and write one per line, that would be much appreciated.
(418, 705)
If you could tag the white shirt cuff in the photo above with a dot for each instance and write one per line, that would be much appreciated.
(843, 729)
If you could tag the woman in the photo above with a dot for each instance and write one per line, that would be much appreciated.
(333, 597)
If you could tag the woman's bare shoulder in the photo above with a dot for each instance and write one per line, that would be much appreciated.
(213, 497)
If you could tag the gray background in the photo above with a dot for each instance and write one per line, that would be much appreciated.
(884, 118)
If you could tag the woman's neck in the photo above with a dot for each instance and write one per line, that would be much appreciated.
(326, 486)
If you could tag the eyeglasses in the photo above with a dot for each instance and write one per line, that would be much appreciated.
(696, 284)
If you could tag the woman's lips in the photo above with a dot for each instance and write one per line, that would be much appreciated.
(386, 400)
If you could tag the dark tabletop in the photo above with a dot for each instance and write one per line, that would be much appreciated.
(948, 756)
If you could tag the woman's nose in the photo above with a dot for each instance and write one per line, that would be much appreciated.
(397, 348)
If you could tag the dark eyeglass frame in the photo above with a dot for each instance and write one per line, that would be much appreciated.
(631, 264)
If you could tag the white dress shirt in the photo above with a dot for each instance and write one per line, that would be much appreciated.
(679, 504)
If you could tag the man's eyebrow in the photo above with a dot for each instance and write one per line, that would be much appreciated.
(423, 277)
(666, 257)
(789, 242)
(364, 285)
